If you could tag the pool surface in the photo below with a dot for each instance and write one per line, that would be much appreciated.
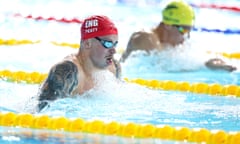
(162, 93)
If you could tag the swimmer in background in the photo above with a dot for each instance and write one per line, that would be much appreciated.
(178, 20)
(74, 75)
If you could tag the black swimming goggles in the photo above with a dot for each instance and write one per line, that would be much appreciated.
(106, 43)
(183, 29)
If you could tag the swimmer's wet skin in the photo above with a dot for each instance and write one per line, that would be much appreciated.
(60, 83)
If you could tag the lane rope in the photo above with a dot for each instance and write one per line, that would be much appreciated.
(14, 42)
(113, 128)
(75, 20)
(215, 6)
(183, 86)
(63, 20)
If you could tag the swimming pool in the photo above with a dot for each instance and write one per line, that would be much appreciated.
(129, 109)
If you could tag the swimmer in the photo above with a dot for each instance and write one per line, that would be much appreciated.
(177, 22)
(74, 74)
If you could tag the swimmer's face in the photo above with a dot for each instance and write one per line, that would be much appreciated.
(103, 50)
(181, 32)
(176, 34)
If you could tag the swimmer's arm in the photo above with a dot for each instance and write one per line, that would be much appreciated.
(61, 82)
(128, 50)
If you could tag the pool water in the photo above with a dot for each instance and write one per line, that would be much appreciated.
(117, 100)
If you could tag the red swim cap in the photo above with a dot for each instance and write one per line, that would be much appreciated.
(96, 25)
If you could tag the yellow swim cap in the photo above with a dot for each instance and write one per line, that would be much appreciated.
(178, 13)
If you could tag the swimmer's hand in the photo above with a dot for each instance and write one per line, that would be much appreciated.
(42, 104)
(218, 64)
(118, 68)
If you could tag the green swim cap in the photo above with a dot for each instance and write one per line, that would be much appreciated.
(178, 13)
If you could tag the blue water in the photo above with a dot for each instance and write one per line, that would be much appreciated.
(117, 100)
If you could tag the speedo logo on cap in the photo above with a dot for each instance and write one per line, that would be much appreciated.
(91, 26)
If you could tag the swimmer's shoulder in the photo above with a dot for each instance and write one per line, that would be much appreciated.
(141, 33)
(71, 57)
(62, 81)
(74, 59)
(68, 68)
(143, 40)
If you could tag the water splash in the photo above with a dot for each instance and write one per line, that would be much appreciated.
(178, 59)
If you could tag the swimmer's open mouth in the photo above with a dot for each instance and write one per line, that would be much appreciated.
(109, 60)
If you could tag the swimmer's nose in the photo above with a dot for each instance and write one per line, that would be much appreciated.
(112, 50)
